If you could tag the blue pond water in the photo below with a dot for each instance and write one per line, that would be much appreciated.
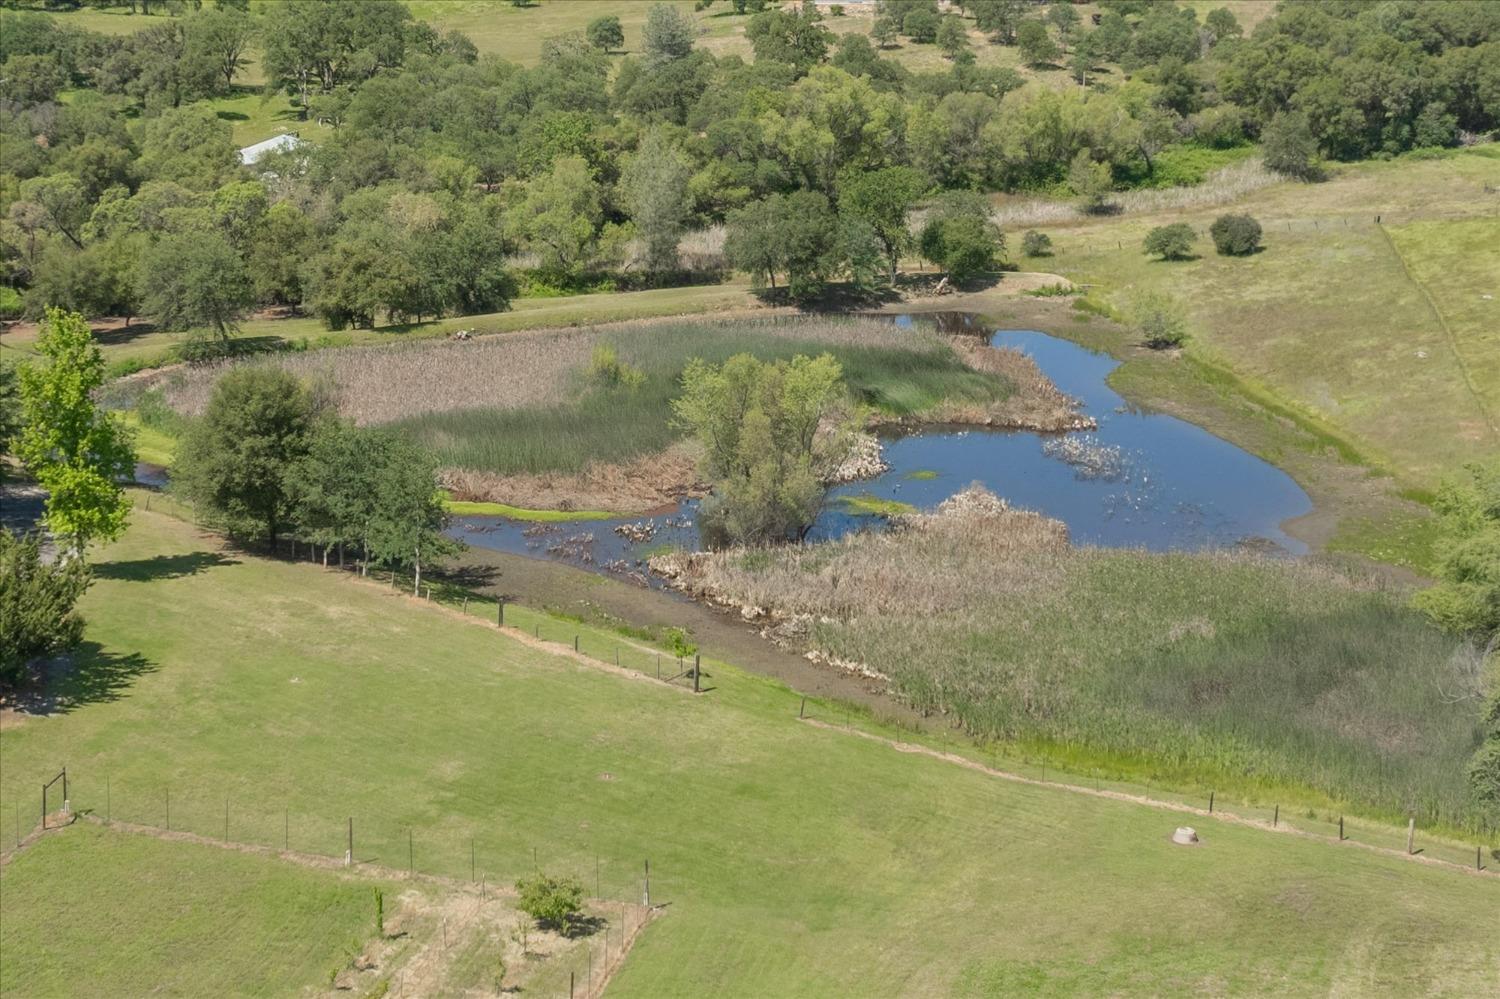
(1145, 480)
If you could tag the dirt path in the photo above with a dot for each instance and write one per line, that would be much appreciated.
(1217, 815)
(607, 602)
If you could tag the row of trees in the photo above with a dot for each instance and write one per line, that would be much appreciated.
(268, 457)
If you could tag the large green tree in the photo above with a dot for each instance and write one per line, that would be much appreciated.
(75, 450)
(764, 428)
(237, 463)
(655, 185)
(195, 281)
(884, 199)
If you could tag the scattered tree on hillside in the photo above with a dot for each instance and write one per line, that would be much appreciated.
(953, 36)
(1235, 235)
(759, 424)
(605, 33)
(75, 451)
(238, 460)
(1036, 44)
(1171, 242)
(669, 33)
(792, 36)
(37, 604)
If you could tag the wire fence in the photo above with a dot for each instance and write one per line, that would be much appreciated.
(1209, 803)
(484, 860)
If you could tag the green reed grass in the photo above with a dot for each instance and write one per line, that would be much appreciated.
(615, 424)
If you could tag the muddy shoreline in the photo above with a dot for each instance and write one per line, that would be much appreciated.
(553, 586)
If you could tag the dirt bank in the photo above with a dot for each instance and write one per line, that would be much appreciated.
(604, 601)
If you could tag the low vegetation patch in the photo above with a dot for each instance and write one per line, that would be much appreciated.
(1208, 667)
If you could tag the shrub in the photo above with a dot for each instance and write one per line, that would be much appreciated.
(606, 369)
(1160, 320)
(1171, 242)
(10, 303)
(1235, 235)
(1036, 244)
(552, 901)
(37, 599)
(1484, 774)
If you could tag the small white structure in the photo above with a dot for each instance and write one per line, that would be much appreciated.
(250, 154)
(1185, 836)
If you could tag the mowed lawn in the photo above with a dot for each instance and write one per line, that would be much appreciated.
(1330, 316)
(795, 860)
(90, 911)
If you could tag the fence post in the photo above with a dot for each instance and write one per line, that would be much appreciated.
(226, 818)
(349, 857)
(697, 669)
(1411, 832)
(169, 809)
(286, 830)
(500, 613)
(646, 897)
(1276, 817)
(1210, 802)
(575, 643)
(1341, 828)
(802, 709)
(1478, 858)
(471, 859)
(106, 799)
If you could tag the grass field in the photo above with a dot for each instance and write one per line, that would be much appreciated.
(1370, 329)
(796, 860)
(93, 912)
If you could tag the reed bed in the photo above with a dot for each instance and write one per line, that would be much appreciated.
(1200, 668)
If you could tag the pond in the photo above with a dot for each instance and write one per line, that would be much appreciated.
(1142, 479)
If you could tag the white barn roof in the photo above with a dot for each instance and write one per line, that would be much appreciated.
(250, 154)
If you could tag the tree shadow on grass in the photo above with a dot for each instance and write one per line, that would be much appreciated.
(87, 675)
(145, 570)
(469, 577)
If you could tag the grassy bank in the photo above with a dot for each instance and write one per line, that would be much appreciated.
(1378, 332)
(795, 860)
(1207, 669)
